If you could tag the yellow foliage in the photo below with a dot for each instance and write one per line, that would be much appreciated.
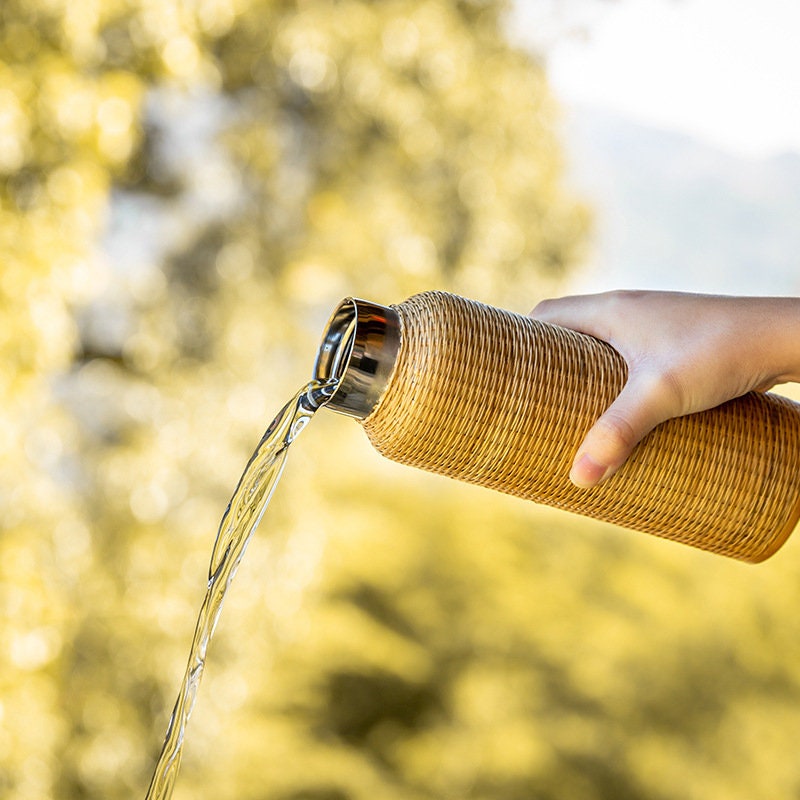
(187, 190)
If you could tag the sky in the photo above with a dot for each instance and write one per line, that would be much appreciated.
(724, 71)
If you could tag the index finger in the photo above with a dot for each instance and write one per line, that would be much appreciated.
(585, 313)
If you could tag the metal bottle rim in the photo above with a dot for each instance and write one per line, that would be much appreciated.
(359, 347)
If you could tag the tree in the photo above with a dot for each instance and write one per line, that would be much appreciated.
(190, 189)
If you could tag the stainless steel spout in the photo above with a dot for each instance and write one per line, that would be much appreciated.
(358, 349)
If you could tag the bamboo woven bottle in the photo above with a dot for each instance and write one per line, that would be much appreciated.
(502, 400)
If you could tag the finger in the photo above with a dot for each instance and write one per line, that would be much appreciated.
(640, 406)
(586, 313)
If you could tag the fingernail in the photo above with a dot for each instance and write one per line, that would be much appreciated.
(586, 472)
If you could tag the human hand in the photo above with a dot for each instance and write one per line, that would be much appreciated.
(685, 353)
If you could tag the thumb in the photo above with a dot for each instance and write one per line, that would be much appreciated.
(638, 408)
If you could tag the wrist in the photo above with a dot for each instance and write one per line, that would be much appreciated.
(784, 342)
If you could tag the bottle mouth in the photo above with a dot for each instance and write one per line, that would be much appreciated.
(358, 350)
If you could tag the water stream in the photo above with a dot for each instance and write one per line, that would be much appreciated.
(239, 521)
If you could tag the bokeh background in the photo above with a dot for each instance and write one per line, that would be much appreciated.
(188, 189)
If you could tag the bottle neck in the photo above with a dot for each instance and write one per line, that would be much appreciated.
(358, 348)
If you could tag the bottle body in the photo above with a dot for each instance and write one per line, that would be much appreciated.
(498, 399)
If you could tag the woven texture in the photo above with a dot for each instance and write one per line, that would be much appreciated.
(502, 400)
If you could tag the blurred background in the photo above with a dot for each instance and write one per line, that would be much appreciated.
(188, 189)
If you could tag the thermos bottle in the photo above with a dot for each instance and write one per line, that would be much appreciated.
(502, 400)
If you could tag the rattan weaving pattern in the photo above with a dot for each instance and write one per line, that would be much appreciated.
(501, 400)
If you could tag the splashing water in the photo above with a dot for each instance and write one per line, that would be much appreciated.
(239, 521)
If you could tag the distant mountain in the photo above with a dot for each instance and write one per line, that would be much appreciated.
(672, 212)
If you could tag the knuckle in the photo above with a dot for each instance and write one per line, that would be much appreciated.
(624, 297)
(617, 432)
(662, 389)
